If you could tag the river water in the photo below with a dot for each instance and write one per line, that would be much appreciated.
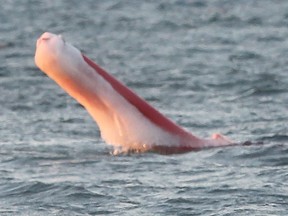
(211, 66)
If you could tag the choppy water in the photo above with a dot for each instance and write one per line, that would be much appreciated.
(212, 66)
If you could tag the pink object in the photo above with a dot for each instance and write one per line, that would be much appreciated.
(125, 120)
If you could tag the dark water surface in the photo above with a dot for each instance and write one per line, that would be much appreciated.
(211, 66)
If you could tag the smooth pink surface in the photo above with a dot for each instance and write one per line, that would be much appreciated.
(147, 110)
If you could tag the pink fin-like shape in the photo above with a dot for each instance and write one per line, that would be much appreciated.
(124, 119)
(147, 110)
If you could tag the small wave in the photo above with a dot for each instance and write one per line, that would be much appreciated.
(272, 155)
(281, 138)
(24, 189)
(227, 20)
(245, 55)
(168, 25)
